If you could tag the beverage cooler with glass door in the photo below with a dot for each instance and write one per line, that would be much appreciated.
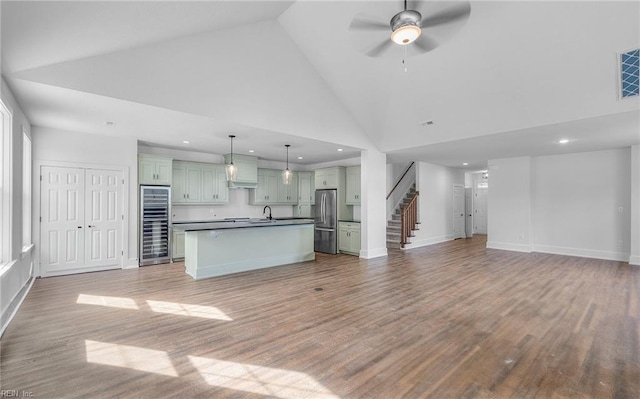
(155, 221)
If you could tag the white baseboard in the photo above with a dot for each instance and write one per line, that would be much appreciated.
(130, 264)
(634, 260)
(583, 253)
(508, 246)
(64, 272)
(428, 241)
(373, 253)
(15, 304)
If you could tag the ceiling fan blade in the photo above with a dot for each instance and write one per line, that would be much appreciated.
(365, 23)
(425, 44)
(380, 48)
(451, 14)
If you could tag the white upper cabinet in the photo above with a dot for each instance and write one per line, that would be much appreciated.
(288, 193)
(271, 189)
(154, 170)
(353, 185)
(199, 183)
(329, 178)
(214, 184)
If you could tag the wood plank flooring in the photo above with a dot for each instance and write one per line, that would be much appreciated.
(453, 320)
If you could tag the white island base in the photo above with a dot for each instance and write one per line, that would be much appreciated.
(210, 253)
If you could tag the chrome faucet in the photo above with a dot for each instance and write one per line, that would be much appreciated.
(265, 210)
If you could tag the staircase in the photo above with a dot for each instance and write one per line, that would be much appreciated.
(394, 226)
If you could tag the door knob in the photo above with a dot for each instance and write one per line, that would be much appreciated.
(91, 226)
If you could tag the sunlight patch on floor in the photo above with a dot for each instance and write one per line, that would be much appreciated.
(109, 301)
(268, 381)
(131, 357)
(183, 309)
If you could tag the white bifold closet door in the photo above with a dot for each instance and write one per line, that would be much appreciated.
(81, 227)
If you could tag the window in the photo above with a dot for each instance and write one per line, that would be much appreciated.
(26, 190)
(5, 184)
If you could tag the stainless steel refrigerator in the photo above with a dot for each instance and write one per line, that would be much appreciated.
(326, 221)
(155, 213)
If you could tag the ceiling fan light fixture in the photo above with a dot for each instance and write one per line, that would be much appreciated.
(406, 27)
(406, 34)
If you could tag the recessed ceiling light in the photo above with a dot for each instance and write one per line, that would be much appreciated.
(426, 123)
(465, 164)
(563, 141)
(299, 157)
(185, 141)
(340, 150)
(110, 123)
(252, 151)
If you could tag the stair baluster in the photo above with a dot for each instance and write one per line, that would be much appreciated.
(408, 220)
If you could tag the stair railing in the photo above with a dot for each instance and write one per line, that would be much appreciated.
(400, 179)
(408, 219)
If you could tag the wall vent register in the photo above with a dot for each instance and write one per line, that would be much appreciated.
(630, 74)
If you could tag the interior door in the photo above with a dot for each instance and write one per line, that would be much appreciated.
(103, 214)
(468, 215)
(480, 211)
(62, 229)
(458, 211)
(81, 219)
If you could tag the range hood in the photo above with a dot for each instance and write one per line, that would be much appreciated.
(247, 174)
(236, 184)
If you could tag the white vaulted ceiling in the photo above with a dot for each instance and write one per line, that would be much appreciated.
(515, 78)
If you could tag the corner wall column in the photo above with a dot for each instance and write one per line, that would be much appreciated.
(374, 205)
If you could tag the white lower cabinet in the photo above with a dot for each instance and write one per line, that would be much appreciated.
(349, 238)
(177, 246)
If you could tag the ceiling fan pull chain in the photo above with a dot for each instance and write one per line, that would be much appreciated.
(404, 59)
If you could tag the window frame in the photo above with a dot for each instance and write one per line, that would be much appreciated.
(6, 180)
(27, 191)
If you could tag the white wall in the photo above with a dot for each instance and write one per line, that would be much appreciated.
(581, 204)
(435, 184)
(16, 276)
(634, 257)
(52, 146)
(571, 204)
(509, 204)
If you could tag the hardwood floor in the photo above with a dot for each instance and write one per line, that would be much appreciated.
(454, 320)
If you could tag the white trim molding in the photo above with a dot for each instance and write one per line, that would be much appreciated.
(583, 253)
(429, 241)
(508, 246)
(373, 253)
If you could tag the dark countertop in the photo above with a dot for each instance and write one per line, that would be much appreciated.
(239, 223)
(349, 221)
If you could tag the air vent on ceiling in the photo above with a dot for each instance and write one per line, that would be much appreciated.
(630, 73)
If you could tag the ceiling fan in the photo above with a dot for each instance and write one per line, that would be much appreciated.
(410, 28)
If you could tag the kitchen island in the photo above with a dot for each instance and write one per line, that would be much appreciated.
(233, 246)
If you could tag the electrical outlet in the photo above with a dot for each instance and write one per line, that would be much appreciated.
(211, 210)
(521, 237)
(620, 243)
(620, 209)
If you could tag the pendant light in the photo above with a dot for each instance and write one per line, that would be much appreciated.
(286, 175)
(231, 168)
